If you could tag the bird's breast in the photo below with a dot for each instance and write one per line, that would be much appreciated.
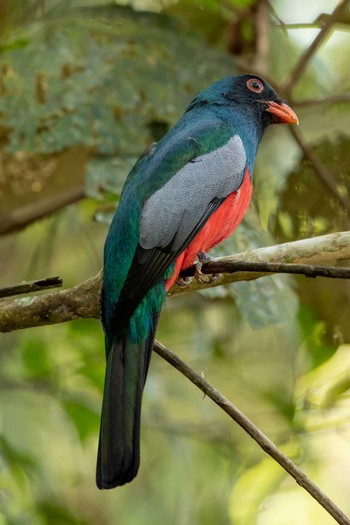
(219, 226)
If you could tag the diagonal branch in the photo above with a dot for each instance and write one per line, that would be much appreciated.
(322, 172)
(82, 301)
(305, 58)
(263, 441)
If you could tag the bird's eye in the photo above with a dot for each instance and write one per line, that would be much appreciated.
(255, 85)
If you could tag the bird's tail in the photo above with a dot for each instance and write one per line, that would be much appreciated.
(119, 444)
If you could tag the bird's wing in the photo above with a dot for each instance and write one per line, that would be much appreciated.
(174, 214)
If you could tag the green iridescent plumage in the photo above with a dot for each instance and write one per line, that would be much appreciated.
(168, 201)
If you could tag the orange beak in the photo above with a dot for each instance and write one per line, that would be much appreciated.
(283, 112)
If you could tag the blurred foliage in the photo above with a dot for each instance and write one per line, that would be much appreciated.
(103, 80)
(323, 213)
(88, 81)
(84, 88)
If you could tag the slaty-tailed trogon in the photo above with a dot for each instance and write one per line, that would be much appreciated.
(185, 194)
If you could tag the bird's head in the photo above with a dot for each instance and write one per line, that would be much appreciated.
(251, 95)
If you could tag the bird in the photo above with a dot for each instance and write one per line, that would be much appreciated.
(185, 194)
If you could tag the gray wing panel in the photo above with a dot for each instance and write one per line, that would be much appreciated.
(171, 213)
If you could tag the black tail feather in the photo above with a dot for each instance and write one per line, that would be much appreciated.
(119, 444)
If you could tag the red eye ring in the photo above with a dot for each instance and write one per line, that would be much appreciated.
(255, 85)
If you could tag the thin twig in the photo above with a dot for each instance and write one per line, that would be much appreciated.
(309, 270)
(320, 169)
(341, 26)
(298, 70)
(79, 302)
(334, 99)
(259, 437)
(31, 286)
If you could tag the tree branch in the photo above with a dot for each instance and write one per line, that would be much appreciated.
(82, 301)
(305, 58)
(79, 302)
(262, 29)
(333, 99)
(259, 437)
(324, 175)
(21, 217)
(309, 270)
(326, 249)
(31, 286)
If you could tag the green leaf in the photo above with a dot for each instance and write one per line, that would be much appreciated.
(37, 358)
(324, 387)
(85, 419)
(53, 513)
(250, 490)
(18, 463)
(313, 337)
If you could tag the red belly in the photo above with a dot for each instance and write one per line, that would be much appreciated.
(218, 227)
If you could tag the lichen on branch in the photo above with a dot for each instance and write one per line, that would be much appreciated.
(82, 301)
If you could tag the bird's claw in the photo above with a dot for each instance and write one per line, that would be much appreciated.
(183, 281)
(201, 277)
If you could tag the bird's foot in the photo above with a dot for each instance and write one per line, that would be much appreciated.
(201, 277)
(183, 281)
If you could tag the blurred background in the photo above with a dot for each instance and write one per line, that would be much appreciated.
(85, 86)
